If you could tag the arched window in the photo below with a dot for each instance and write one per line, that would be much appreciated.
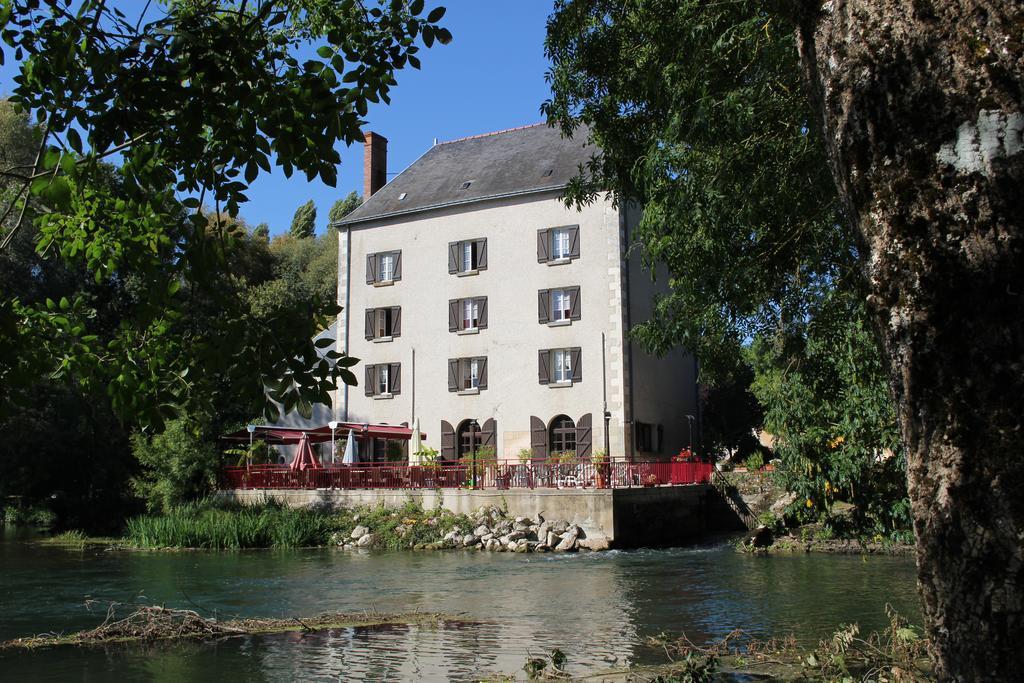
(562, 435)
(467, 439)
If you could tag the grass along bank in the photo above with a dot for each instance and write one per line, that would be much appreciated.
(221, 525)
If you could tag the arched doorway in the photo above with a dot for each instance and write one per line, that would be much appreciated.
(562, 435)
(467, 438)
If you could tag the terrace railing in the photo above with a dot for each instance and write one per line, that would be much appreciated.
(533, 475)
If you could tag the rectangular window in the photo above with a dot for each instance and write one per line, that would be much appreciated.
(383, 267)
(469, 371)
(467, 256)
(643, 437)
(560, 243)
(470, 314)
(561, 304)
(383, 379)
(387, 268)
(467, 375)
(562, 365)
(467, 315)
(384, 328)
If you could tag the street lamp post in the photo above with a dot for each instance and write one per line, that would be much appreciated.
(334, 449)
(248, 456)
(689, 421)
(473, 426)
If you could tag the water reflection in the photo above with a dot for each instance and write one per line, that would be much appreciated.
(599, 607)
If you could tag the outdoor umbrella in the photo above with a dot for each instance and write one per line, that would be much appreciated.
(305, 458)
(416, 443)
(351, 451)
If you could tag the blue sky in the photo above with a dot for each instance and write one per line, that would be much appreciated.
(490, 77)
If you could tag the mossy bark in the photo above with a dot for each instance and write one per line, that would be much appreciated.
(921, 104)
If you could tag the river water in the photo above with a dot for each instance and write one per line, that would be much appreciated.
(596, 607)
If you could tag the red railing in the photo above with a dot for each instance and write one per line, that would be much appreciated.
(533, 475)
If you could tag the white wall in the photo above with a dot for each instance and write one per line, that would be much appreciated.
(513, 337)
(663, 389)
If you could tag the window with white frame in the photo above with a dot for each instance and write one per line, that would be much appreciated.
(562, 365)
(467, 256)
(561, 304)
(387, 268)
(560, 243)
(470, 314)
(383, 379)
(469, 369)
(384, 319)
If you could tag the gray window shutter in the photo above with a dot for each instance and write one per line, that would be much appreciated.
(481, 302)
(543, 306)
(368, 384)
(481, 254)
(395, 375)
(543, 245)
(575, 359)
(453, 315)
(398, 265)
(453, 374)
(482, 370)
(544, 366)
(488, 434)
(538, 438)
(574, 241)
(584, 436)
(396, 321)
(447, 441)
(371, 268)
(369, 323)
(574, 303)
(453, 257)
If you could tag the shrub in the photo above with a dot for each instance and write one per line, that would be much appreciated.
(178, 465)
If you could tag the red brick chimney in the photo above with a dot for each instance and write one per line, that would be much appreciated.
(375, 163)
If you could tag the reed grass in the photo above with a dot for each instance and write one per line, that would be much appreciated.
(231, 527)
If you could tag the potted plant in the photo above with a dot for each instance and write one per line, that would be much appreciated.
(601, 467)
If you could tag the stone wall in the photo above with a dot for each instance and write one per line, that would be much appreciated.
(658, 516)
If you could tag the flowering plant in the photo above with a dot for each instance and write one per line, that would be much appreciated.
(685, 455)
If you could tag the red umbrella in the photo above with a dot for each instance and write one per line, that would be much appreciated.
(305, 458)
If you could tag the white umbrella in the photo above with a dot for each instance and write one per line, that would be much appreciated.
(416, 443)
(351, 451)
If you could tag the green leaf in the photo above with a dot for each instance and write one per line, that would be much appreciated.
(75, 140)
(323, 343)
(436, 14)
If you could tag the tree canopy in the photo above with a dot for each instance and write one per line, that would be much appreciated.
(304, 221)
(344, 207)
(191, 102)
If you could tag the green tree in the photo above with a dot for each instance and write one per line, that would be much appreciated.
(177, 465)
(192, 123)
(304, 221)
(727, 121)
(344, 207)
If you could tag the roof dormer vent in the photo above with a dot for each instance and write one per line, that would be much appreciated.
(547, 173)
(465, 185)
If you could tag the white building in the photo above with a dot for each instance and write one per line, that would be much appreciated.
(482, 305)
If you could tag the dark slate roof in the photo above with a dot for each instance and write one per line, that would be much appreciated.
(509, 162)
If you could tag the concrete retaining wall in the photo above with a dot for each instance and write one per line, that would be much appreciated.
(621, 517)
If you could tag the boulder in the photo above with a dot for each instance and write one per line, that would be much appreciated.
(511, 546)
(592, 543)
(522, 547)
(552, 539)
(365, 540)
(539, 519)
(469, 539)
(568, 544)
(520, 520)
(482, 530)
(560, 526)
(359, 532)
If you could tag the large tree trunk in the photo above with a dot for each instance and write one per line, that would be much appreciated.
(921, 103)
